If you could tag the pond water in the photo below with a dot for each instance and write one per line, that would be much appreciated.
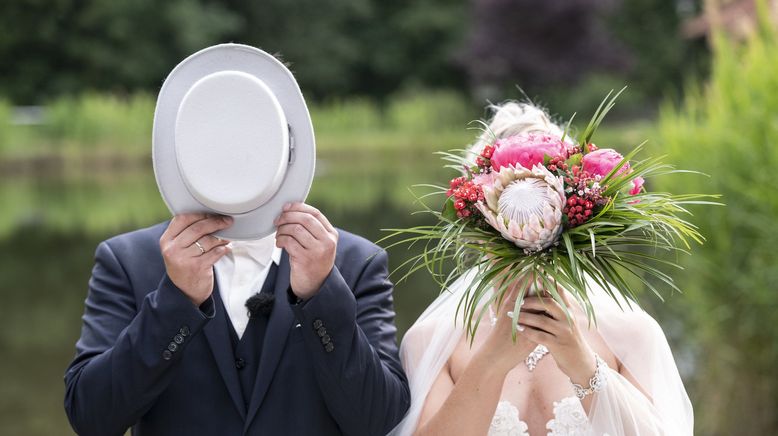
(51, 224)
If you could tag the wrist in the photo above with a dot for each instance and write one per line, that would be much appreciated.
(595, 383)
(198, 301)
(490, 366)
(495, 362)
(306, 294)
(306, 291)
(583, 370)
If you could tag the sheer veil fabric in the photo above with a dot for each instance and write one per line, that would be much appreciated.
(620, 409)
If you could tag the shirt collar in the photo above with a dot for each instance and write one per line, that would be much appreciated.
(261, 250)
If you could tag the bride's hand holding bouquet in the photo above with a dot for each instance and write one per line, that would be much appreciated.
(545, 321)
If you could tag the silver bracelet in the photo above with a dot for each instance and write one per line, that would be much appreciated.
(596, 383)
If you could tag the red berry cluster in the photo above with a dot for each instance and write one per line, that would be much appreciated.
(584, 194)
(578, 210)
(483, 161)
(557, 163)
(466, 193)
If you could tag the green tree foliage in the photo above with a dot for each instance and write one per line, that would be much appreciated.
(66, 46)
(342, 48)
(366, 47)
(660, 57)
(537, 44)
(729, 129)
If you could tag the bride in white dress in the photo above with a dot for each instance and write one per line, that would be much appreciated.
(615, 378)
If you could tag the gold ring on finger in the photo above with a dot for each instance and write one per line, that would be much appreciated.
(202, 250)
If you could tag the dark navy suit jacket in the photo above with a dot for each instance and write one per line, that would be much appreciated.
(124, 374)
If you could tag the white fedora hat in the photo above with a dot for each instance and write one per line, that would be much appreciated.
(233, 136)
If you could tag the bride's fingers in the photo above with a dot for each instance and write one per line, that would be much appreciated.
(535, 335)
(508, 301)
(539, 322)
(548, 305)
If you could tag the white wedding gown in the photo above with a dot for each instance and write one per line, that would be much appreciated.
(619, 409)
(569, 420)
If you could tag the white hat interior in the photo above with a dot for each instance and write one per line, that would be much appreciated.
(231, 142)
(232, 135)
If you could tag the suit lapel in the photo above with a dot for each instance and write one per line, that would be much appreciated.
(277, 332)
(218, 337)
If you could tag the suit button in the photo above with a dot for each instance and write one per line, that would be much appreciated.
(178, 339)
(240, 363)
(184, 331)
(329, 347)
(326, 339)
(172, 347)
(317, 324)
(167, 354)
(321, 332)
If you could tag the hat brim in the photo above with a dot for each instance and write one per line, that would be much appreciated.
(297, 181)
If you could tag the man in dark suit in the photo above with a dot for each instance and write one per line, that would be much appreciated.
(157, 351)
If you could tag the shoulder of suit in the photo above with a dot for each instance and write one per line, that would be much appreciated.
(354, 247)
(137, 241)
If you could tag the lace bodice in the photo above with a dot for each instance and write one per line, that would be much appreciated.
(569, 420)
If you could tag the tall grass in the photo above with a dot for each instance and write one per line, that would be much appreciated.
(729, 129)
(99, 124)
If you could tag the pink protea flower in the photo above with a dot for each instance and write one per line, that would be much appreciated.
(525, 206)
(602, 161)
(484, 179)
(527, 150)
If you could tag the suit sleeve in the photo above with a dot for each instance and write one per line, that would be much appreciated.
(126, 355)
(351, 336)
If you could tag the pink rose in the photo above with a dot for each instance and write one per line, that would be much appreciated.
(602, 161)
(527, 150)
(637, 183)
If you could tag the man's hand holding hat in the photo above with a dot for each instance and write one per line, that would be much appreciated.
(311, 242)
(190, 251)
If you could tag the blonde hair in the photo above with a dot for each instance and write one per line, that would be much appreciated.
(513, 118)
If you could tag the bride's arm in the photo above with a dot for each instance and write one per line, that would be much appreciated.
(467, 406)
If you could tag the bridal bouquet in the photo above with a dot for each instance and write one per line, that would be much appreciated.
(537, 208)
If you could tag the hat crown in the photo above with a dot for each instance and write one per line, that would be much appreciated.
(232, 135)
(231, 142)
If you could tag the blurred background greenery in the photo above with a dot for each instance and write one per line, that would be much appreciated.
(388, 84)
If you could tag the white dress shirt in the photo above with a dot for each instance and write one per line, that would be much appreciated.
(241, 274)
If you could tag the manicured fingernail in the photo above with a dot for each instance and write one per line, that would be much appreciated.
(510, 314)
(521, 303)
(520, 328)
(287, 206)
